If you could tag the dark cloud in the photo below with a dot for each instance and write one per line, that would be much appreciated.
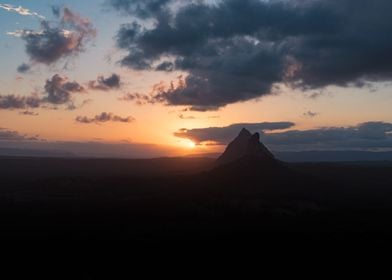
(23, 68)
(9, 135)
(51, 44)
(10, 102)
(236, 50)
(105, 84)
(165, 66)
(365, 136)
(140, 99)
(56, 10)
(223, 135)
(143, 9)
(104, 117)
(59, 90)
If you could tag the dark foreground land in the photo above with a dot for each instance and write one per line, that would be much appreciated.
(189, 199)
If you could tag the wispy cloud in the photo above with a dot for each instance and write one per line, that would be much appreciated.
(310, 114)
(19, 33)
(20, 10)
(29, 113)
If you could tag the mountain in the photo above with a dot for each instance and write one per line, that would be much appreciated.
(246, 145)
(247, 167)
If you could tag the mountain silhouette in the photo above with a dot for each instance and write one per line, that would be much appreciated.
(246, 146)
(248, 167)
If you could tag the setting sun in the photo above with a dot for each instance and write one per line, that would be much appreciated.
(191, 144)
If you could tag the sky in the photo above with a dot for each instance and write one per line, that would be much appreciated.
(167, 77)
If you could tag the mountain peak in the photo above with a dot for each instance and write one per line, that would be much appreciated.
(245, 145)
(244, 133)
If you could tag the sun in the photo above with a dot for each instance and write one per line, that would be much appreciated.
(190, 144)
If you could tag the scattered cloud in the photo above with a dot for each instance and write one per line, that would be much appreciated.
(10, 102)
(223, 135)
(23, 68)
(59, 90)
(20, 10)
(103, 118)
(236, 50)
(50, 44)
(105, 84)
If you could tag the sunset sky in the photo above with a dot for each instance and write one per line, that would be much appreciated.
(146, 78)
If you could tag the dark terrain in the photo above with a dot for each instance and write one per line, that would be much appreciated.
(244, 195)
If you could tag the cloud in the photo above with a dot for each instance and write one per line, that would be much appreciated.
(104, 117)
(143, 9)
(20, 10)
(50, 44)
(223, 135)
(59, 90)
(236, 50)
(10, 102)
(183, 117)
(105, 84)
(29, 113)
(364, 136)
(9, 135)
(310, 114)
(23, 68)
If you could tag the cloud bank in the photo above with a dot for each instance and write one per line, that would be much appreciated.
(222, 135)
(364, 136)
(10, 135)
(236, 50)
